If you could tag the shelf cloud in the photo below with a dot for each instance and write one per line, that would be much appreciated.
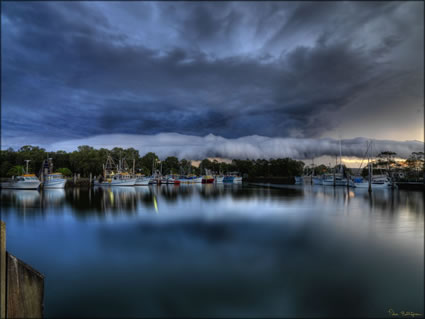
(251, 147)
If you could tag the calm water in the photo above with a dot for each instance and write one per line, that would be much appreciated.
(226, 250)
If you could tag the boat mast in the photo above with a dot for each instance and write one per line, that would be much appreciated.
(340, 156)
(27, 161)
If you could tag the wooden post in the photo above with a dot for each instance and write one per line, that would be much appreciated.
(90, 180)
(25, 290)
(2, 270)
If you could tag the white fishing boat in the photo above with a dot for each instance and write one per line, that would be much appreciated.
(219, 179)
(54, 180)
(26, 181)
(123, 179)
(142, 180)
(339, 180)
(376, 182)
(237, 179)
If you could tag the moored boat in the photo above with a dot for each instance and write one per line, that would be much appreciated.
(376, 182)
(123, 179)
(26, 181)
(54, 180)
(142, 180)
(207, 179)
(219, 179)
(237, 179)
(228, 179)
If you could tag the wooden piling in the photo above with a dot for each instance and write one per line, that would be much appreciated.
(2, 270)
(21, 286)
(25, 290)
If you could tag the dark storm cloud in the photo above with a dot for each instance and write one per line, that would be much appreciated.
(73, 69)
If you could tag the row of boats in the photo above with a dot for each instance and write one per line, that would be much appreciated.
(49, 179)
(126, 179)
(377, 181)
(121, 175)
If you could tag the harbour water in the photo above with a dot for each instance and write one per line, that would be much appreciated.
(221, 250)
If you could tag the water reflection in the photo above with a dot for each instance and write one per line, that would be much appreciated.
(221, 250)
(129, 200)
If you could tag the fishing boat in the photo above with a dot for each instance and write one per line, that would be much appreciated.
(378, 181)
(54, 180)
(26, 181)
(115, 175)
(191, 179)
(340, 180)
(219, 179)
(142, 180)
(49, 178)
(123, 179)
(228, 179)
(237, 179)
(207, 179)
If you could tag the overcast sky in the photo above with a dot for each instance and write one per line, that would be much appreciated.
(77, 72)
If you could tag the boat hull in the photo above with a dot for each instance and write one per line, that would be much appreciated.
(57, 183)
(219, 179)
(142, 181)
(373, 185)
(228, 179)
(21, 185)
(124, 182)
(237, 179)
(208, 181)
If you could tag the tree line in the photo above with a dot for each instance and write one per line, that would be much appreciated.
(86, 160)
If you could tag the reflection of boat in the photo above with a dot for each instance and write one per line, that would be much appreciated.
(54, 195)
(54, 180)
(26, 181)
(22, 196)
(125, 191)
